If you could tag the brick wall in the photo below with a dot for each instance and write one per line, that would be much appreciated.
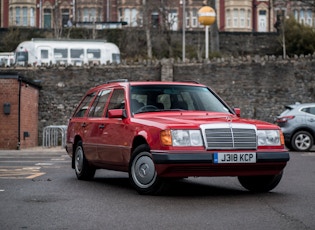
(29, 116)
(9, 93)
(9, 123)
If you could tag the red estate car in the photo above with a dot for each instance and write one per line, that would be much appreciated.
(161, 130)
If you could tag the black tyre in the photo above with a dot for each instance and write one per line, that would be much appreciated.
(260, 183)
(142, 174)
(81, 166)
(302, 141)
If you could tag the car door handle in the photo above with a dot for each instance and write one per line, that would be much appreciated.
(83, 125)
(311, 120)
(102, 126)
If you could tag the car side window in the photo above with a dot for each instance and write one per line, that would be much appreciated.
(84, 105)
(97, 108)
(117, 100)
(312, 110)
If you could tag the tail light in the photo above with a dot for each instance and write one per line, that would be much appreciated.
(284, 119)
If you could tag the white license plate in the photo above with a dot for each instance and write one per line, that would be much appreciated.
(234, 158)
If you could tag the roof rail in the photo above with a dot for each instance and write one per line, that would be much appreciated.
(191, 81)
(117, 80)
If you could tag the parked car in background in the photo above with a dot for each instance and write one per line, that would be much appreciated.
(157, 131)
(297, 122)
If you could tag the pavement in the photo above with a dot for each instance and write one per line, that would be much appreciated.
(35, 150)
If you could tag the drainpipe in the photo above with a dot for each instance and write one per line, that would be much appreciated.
(19, 115)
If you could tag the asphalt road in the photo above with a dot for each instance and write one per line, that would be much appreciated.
(39, 190)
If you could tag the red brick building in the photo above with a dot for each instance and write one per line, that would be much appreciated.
(19, 116)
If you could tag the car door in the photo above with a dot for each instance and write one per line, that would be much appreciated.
(80, 124)
(113, 139)
(310, 117)
(95, 124)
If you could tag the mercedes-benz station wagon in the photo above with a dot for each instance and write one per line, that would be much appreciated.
(157, 131)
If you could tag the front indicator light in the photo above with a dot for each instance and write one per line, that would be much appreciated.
(166, 137)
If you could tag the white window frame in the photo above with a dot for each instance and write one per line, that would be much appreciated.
(228, 19)
(187, 18)
(32, 16)
(309, 17)
(194, 18)
(242, 18)
(17, 16)
(235, 18)
(249, 16)
(24, 16)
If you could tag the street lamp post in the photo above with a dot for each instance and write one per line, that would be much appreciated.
(206, 17)
(184, 30)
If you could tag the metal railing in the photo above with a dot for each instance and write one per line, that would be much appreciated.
(54, 135)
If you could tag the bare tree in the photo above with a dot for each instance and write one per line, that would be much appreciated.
(146, 24)
(57, 20)
(308, 2)
(214, 31)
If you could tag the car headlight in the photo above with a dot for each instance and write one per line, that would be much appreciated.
(269, 137)
(181, 137)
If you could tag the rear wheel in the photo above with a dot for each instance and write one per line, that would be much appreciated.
(142, 174)
(260, 183)
(81, 166)
(302, 141)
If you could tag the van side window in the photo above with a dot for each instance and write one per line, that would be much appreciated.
(84, 105)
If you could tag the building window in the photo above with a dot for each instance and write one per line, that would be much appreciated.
(24, 12)
(296, 15)
(228, 19)
(65, 17)
(249, 15)
(127, 16)
(11, 17)
(309, 18)
(155, 19)
(134, 21)
(89, 15)
(47, 18)
(194, 18)
(302, 19)
(17, 16)
(120, 15)
(242, 18)
(235, 18)
(187, 19)
(32, 17)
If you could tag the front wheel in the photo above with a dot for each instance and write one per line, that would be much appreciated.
(81, 166)
(260, 183)
(142, 174)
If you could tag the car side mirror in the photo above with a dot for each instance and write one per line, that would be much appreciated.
(117, 113)
(237, 112)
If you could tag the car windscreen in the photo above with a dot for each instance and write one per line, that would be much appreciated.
(175, 97)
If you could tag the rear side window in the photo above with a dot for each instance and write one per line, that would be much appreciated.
(97, 108)
(84, 105)
(310, 110)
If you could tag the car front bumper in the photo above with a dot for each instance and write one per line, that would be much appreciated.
(202, 164)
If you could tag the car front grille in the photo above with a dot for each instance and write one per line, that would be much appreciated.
(229, 136)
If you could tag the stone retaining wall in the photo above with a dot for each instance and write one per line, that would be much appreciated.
(260, 86)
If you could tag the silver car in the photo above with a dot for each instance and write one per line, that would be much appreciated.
(298, 126)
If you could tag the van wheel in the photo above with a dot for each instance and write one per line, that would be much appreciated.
(260, 183)
(142, 174)
(302, 141)
(81, 166)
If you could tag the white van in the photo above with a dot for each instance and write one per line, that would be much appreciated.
(66, 52)
(7, 59)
